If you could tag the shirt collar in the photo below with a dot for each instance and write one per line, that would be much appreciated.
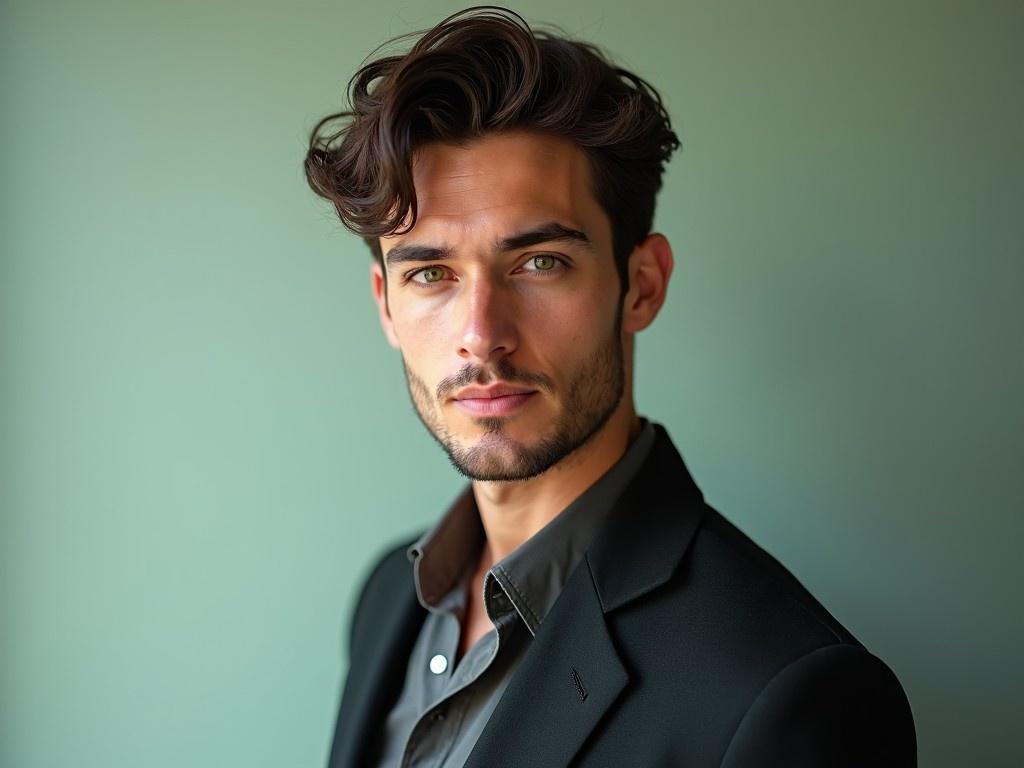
(442, 556)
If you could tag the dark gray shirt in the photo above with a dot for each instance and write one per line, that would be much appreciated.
(443, 706)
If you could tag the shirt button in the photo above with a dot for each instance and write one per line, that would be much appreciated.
(438, 664)
(437, 717)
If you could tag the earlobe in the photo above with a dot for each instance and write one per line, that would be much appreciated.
(650, 266)
(379, 288)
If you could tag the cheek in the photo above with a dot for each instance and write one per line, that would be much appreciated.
(423, 339)
(416, 341)
(566, 326)
(553, 325)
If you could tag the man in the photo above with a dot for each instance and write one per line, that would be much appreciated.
(579, 603)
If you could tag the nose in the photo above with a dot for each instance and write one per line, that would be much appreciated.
(487, 325)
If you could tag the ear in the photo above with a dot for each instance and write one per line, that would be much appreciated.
(379, 287)
(650, 267)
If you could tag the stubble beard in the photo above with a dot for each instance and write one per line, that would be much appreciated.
(591, 398)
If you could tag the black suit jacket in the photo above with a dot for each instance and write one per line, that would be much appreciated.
(676, 642)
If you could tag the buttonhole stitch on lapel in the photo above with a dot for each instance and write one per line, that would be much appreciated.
(579, 684)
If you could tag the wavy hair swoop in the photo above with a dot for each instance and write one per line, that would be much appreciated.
(479, 71)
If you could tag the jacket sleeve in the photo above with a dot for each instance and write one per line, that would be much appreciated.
(838, 706)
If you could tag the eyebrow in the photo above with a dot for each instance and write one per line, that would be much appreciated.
(551, 232)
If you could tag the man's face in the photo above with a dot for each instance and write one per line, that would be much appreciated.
(504, 302)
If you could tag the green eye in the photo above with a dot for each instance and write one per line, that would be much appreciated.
(544, 262)
(432, 274)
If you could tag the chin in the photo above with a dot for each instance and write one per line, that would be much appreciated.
(497, 456)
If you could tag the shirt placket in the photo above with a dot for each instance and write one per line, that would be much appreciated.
(435, 731)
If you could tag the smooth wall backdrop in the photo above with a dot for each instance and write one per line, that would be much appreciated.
(205, 441)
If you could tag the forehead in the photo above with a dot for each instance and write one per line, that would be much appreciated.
(499, 183)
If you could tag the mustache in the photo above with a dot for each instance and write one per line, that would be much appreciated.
(482, 376)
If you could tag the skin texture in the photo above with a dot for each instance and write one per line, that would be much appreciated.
(545, 318)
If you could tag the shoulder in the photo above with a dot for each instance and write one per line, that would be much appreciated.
(389, 572)
(757, 584)
(802, 688)
(837, 705)
(734, 638)
(390, 564)
(732, 605)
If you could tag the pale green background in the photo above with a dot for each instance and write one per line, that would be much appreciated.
(206, 441)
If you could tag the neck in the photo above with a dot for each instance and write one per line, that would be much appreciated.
(512, 512)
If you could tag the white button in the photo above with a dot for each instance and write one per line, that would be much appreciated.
(438, 664)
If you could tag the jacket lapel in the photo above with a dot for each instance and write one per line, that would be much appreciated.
(650, 529)
(564, 684)
(572, 674)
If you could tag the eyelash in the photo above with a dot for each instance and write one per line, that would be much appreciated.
(407, 278)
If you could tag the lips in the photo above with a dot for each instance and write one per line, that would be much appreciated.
(491, 392)
(495, 400)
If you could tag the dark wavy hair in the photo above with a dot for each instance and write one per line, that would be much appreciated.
(479, 71)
